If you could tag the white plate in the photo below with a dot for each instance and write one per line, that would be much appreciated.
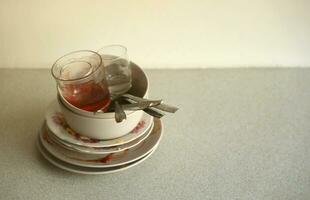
(87, 170)
(104, 160)
(57, 124)
(101, 150)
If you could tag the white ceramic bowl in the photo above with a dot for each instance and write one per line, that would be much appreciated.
(139, 88)
(99, 128)
(103, 125)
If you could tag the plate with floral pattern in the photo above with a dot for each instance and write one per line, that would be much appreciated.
(87, 170)
(99, 150)
(58, 125)
(103, 160)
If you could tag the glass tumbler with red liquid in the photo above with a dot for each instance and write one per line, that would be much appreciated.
(80, 77)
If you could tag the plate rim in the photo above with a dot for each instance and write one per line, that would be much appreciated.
(56, 162)
(119, 149)
(84, 164)
(54, 107)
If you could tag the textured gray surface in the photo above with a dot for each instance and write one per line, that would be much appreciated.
(240, 134)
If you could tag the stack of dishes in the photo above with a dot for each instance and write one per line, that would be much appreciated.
(75, 151)
(71, 151)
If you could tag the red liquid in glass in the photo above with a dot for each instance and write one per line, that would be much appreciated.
(89, 96)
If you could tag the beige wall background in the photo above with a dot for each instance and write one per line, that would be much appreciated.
(159, 33)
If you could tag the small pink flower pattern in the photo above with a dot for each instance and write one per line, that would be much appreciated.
(59, 119)
(140, 125)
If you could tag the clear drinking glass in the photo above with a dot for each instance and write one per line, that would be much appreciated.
(118, 72)
(80, 77)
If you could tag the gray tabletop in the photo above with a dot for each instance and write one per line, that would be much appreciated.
(240, 134)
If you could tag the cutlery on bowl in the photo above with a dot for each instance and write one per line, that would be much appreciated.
(153, 112)
(120, 114)
(163, 107)
(141, 105)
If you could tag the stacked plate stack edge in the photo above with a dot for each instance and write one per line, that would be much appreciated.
(73, 151)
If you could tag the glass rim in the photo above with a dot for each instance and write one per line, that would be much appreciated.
(76, 79)
(113, 45)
